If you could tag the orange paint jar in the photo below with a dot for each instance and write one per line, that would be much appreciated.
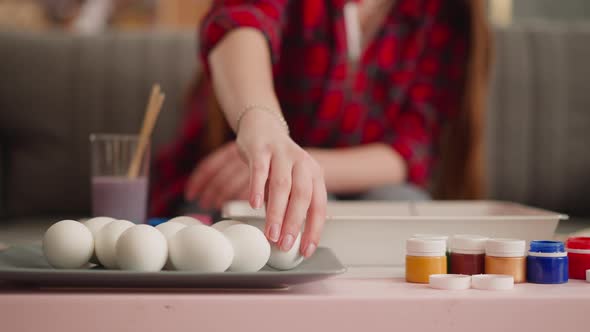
(506, 256)
(425, 257)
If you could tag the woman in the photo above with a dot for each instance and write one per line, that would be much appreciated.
(330, 95)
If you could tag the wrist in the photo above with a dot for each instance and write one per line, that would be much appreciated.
(255, 115)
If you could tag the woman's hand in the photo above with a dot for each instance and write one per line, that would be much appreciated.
(281, 172)
(286, 177)
(220, 177)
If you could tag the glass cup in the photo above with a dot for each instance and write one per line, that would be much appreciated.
(114, 193)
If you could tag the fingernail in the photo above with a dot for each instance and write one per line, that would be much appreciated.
(309, 250)
(258, 201)
(274, 233)
(287, 242)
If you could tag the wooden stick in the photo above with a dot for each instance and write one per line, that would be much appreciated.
(151, 115)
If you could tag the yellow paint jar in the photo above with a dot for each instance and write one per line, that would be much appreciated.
(506, 256)
(424, 257)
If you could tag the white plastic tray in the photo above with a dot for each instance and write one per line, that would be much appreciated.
(374, 233)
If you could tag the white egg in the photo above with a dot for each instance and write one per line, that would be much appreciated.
(200, 248)
(186, 220)
(106, 242)
(168, 229)
(251, 248)
(142, 248)
(224, 224)
(68, 244)
(285, 260)
(95, 225)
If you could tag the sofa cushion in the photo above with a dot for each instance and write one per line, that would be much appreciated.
(64, 87)
(539, 124)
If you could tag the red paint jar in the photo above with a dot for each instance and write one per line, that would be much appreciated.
(578, 253)
(468, 254)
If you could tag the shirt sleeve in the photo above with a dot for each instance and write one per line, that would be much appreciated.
(267, 16)
(433, 95)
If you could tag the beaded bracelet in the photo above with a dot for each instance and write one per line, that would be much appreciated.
(249, 108)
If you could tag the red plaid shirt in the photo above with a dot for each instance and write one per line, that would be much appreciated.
(407, 82)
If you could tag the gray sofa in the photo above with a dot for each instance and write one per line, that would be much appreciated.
(55, 89)
(539, 119)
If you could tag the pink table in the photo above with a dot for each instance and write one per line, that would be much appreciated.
(332, 305)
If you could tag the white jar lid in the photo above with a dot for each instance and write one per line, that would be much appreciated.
(449, 281)
(468, 244)
(492, 281)
(426, 247)
(505, 248)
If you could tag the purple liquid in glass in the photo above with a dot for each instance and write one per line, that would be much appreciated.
(120, 197)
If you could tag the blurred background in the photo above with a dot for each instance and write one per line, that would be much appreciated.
(71, 67)
(97, 15)
(94, 16)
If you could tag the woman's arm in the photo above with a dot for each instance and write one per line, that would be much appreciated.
(241, 71)
(378, 164)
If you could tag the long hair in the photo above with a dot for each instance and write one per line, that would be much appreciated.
(460, 172)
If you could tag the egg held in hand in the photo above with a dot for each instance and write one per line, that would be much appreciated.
(251, 248)
(141, 248)
(285, 260)
(68, 244)
(200, 248)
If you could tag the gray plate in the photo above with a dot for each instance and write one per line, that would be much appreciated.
(27, 265)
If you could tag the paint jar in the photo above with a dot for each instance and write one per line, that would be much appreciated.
(506, 256)
(425, 257)
(437, 237)
(578, 253)
(468, 254)
(547, 263)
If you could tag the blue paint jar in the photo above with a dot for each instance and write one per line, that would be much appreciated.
(547, 263)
